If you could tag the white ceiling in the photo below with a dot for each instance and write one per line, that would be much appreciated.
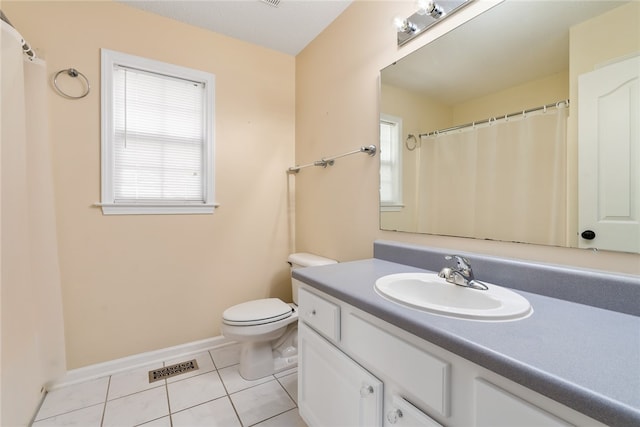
(287, 28)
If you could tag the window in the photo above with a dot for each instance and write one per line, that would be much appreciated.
(390, 163)
(157, 137)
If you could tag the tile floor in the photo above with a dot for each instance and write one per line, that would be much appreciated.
(214, 395)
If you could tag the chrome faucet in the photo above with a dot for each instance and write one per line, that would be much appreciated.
(462, 274)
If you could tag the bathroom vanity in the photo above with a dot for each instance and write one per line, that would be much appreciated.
(368, 361)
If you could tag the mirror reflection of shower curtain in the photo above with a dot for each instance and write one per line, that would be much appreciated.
(500, 181)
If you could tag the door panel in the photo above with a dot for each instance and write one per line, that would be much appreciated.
(609, 157)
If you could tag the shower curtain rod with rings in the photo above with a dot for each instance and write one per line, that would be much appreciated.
(26, 47)
(328, 161)
(412, 138)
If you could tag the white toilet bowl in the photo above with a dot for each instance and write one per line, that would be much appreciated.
(258, 325)
(267, 329)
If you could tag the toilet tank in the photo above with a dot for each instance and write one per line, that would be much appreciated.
(303, 259)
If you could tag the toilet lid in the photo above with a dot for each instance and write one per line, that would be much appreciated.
(257, 312)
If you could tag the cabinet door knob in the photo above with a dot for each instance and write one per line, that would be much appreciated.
(588, 234)
(366, 390)
(393, 416)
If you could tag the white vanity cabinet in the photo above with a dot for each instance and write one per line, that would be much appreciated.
(355, 369)
(333, 390)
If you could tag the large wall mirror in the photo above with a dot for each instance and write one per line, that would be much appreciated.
(521, 125)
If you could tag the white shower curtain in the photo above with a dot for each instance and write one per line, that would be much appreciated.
(501, 181)
(33, 352)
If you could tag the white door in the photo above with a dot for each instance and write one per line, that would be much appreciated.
(333, 390)
(609, 157)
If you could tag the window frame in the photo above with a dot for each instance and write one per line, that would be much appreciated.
(396, 204)
(110, 59)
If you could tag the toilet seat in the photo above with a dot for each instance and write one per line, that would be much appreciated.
(257, 312)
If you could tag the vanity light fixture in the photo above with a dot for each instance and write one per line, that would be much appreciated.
(429, 12)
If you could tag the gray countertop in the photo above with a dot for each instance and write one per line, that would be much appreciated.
(584, 357)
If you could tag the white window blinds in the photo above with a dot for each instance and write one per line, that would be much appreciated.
(390, 161)
(159, 137)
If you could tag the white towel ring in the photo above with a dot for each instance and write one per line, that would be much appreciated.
(72, 72)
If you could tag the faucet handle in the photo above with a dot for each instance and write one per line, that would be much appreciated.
(460, 260)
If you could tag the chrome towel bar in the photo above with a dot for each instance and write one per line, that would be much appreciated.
(328, 161)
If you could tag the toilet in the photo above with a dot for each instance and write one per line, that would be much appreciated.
(267, 329)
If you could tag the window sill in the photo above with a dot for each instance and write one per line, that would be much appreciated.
(155, 208)
(391, 208)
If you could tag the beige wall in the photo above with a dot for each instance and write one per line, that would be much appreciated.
(532, 94)
(337, 110)
(137, 283)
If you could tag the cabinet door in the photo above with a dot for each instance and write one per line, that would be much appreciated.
(333, 390)
(498, 408)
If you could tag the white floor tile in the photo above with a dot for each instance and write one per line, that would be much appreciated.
(197, 398)
(290, 384)
(86, 417)
(234, 382)
(226, 356)
(133, 381)
(261, 402)
(288, 419)
(160, 422)
(217, 413)
(136, 408)
(73, 397)
(205, 364)
(287, 372)
(194, 391)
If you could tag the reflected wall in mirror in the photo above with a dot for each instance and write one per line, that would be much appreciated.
(479, 128)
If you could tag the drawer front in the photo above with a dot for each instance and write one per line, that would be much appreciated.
(423, 378)
(320, 314)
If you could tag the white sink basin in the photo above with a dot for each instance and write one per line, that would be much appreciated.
(428, 292)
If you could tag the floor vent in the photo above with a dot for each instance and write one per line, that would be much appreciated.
(173, 370)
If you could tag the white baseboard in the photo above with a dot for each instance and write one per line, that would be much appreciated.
(104, 369)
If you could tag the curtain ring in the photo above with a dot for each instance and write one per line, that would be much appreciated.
(72, 72)
(411, 137)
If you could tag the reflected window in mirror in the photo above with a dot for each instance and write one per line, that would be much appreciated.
(390, 163)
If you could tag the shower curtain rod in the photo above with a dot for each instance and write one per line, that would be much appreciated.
(328, 161)
(563, 103)
(26, 48)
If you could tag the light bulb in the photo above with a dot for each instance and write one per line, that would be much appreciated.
(400, 23)
(404, 25)
(424, 6)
